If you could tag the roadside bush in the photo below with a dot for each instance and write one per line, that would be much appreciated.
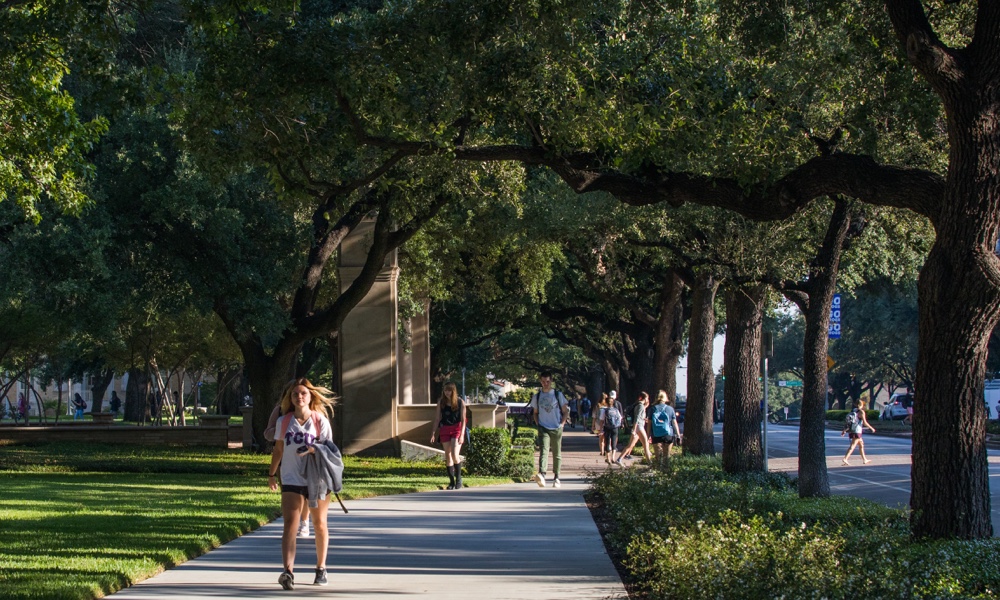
(525, 437)
(696, 532)
(520, 464)
(488, 452)
(993, 427)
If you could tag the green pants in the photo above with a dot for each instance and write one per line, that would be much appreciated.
(553, 438)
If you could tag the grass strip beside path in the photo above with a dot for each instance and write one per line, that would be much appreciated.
(78, 521)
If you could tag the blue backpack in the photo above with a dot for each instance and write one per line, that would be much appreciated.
(661, 425)
(614, 418)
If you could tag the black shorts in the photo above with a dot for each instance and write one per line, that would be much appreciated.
(295, 489)
(663, 439)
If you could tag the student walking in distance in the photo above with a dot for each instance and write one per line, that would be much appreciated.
(638, 430)
(611, 420)
(855, 423)
(79, 405)
(303, 426)
(449, 428)
(550, 410)
(664, 429)
(602, 407)
(585, 411)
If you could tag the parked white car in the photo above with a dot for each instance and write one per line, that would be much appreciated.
(898, 407)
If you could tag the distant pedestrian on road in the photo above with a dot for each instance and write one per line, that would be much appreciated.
(664, 429)
(550, 410)
(22, 407)
(79, 405)
(855, 423)
(449, 427)
(638, 429)
(302, 427)
(585, 411)
(574, 410)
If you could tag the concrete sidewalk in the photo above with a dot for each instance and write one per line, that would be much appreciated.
(501, 542)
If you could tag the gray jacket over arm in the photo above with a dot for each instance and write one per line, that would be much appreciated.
(323, 471)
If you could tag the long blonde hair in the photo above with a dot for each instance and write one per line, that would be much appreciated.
(450, 398)
(661, 397)
(321, 398)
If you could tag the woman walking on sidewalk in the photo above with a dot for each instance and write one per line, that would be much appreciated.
(449, 426)
(303, 426)
(856, 422)
(638, 430)
(664, 429)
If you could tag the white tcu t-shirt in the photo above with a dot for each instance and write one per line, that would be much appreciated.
(298, 439)
(548, 407)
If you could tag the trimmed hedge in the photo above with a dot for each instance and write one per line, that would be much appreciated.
(696, 532)
(491, 454)
(488, 451)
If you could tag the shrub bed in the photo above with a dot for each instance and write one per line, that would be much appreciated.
(488, 448)
(696, 532)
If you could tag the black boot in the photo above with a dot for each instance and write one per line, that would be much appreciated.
(451, 477)
(458, 476)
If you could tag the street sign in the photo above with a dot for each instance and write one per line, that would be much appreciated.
(829, 363)
(789, 383)
(833, 332)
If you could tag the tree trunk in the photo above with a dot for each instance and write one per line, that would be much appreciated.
(229, 393)
(698, 435)
(959, 307)
(741, 443)
(813, 478)
(268, 376)
(667, 337)
(99, 387)
(611, 377)
(959, 285)
(950, 495)
(135, 397)
(642, 371)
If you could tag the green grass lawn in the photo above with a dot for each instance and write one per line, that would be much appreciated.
(78, 521)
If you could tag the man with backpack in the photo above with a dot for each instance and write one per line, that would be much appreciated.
(550, 411)
(585, 411)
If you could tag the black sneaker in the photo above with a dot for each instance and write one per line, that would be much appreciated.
(287, 580)
(320, 577)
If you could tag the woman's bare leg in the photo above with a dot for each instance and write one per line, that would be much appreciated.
(291, 504)
(320, 530)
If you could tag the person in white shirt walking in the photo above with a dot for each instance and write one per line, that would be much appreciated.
(550, 411)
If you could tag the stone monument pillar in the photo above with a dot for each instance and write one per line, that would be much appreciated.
(420, 344)
(368, 345)
(405, 361)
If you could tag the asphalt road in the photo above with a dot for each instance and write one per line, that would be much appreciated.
(886, 479)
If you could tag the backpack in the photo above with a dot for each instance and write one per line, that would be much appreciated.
(613, 417)
(287, 420)
(661, 426)
(853, 422)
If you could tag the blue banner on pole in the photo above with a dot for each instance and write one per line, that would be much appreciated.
(834, 331)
